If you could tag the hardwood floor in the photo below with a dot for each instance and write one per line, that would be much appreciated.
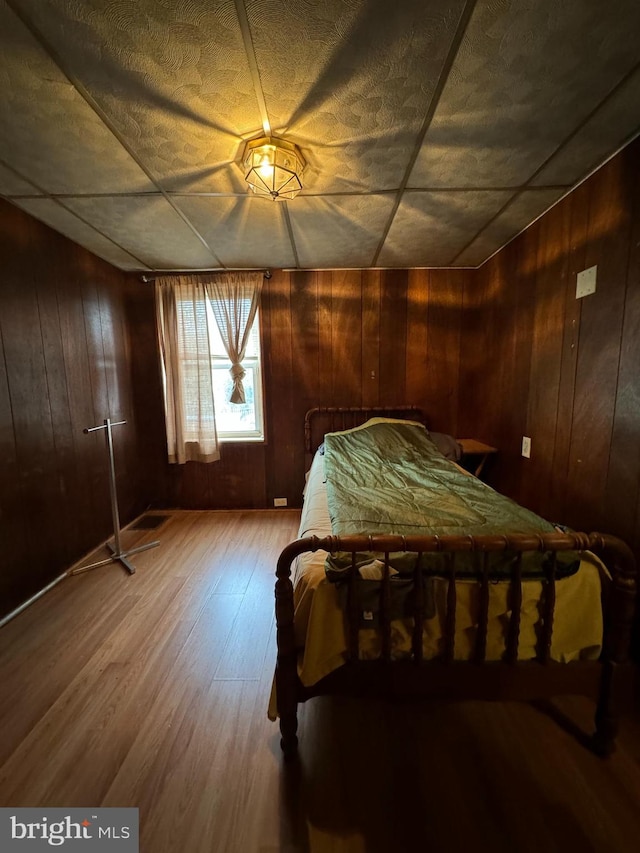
(151, 691)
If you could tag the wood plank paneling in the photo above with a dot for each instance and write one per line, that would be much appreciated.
(393, 336)
(547, 284)
(622, 494)
(567, 370)
(370, 338)
(34, 446)
(325, 355)
(305, 356)
(65, 362)
(280, 392)
(146, 381)
(417, 367)
(346, 337)
(442, 362)
(572, 250)
(599, 347)
(64, 476)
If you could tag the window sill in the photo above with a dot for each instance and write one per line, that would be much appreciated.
(239, 439)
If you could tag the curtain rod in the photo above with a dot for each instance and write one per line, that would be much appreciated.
(146, 278)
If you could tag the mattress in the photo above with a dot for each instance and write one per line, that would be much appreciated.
(320, 624)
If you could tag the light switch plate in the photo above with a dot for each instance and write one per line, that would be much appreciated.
(586, 282)
(526, 447)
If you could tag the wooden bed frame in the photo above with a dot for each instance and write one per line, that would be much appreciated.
(446, 678)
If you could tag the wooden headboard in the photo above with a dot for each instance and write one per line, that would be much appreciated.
(325, 419)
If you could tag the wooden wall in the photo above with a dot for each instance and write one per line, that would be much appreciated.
(337, 338)
(65, 364)
(535, 361)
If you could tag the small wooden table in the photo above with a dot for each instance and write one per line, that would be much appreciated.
(473, 447)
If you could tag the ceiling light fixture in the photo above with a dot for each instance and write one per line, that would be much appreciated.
(273, 168)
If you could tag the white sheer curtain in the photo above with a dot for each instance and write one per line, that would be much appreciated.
(186, 362)
(234, 300)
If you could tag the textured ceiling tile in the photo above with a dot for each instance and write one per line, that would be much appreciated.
(243, 232)
(430, 228)
(338, 231)
(616, 122)
(172, 77)
(48, 132)
(526, 207)
(12, 184)
(526, 74)
(62, 220)
(147, 226)
(351, 81)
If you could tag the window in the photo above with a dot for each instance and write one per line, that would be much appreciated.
(237, 421)
(209, 339)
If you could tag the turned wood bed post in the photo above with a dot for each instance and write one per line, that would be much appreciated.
(287, 662)
(619, 613)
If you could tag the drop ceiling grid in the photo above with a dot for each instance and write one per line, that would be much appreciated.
(359, 114)
(148, 227)
(173, 79)
(165, 98)
(66, 222)
(338, 231)
(523, 80)
(48, 133)
(524, 208)
(13, 184)
(245, 231)
(438, 224)
(115, 149)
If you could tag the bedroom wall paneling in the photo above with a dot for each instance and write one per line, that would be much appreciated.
(601, 317)
(440, 377)
(306, 337)
(146, 380)
(546, 310)
(64, 365)
(346, 337)
(623, 475)
(535, 361)
(324, 335)
(280, 390)
(571, 249)
(370, 384)
(393, 337)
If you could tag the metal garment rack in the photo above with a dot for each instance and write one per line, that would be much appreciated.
(117, 555)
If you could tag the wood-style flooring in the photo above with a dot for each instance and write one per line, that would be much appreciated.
(151, 690)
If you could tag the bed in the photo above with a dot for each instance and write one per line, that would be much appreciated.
(442, 589)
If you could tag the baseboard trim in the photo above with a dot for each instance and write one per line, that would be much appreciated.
(33, 598)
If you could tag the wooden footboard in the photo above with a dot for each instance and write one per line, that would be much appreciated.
(445, 677)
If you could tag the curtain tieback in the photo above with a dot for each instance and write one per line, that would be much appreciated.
(238, 373)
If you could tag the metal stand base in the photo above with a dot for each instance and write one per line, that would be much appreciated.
(117, 558)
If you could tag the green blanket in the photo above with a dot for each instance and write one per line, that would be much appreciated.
(391, 478)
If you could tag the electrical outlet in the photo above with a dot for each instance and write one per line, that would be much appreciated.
(279, 501)
(586, 282)
(526, 447)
